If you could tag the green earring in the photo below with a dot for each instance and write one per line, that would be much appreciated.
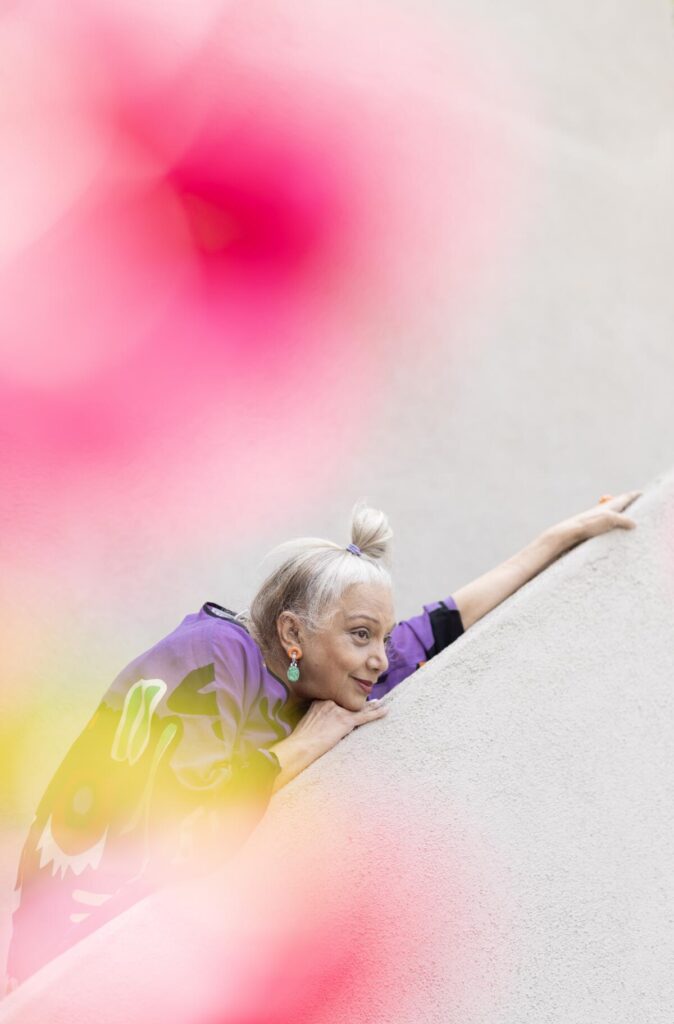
(293, 670)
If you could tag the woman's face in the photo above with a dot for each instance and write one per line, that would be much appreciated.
(344, 660)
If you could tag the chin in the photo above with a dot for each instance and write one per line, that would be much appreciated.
(355, 702)
(350, 701)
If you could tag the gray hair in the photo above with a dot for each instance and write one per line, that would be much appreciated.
(314, 576)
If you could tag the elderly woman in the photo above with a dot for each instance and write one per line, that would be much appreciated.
(186, 747)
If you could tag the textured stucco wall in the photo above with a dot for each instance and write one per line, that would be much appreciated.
(514, 815)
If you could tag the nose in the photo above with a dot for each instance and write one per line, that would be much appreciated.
(378, 661)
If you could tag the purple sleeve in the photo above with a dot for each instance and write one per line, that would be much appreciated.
(237, 683)
(416, 640)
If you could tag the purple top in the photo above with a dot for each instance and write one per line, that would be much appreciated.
(175, 755)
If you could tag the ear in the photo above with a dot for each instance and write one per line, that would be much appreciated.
(289, 629)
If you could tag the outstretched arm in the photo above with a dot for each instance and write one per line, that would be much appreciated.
(487, 591)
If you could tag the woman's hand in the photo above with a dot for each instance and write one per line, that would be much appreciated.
(321, 728)
(602, 517)
(326, 723)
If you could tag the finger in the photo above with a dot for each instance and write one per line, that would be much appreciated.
(621, 501)
(368, 714)
(375, 705)
(622, 521)
(626, 498)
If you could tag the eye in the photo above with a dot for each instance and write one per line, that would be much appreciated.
(359, 633)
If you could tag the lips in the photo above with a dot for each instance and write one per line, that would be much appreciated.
(364, 684)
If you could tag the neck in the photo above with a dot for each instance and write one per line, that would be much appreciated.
(295, 703)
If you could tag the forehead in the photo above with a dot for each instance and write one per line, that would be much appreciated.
(368, 600)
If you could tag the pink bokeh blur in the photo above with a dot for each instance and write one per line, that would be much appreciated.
(210, 224)
(346, 926)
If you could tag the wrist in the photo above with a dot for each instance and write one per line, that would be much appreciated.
(561, 537)
(539, 553)
(294, 754)
(285, 751)
(296, 747)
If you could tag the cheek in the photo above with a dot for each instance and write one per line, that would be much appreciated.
(351, 653)
(328, 661)
(341, 659)
(356, 659)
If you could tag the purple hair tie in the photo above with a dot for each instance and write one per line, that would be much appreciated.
(354, 549)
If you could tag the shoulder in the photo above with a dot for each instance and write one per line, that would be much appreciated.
(228, 636)
(202, 638)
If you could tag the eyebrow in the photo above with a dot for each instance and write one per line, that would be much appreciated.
(362, 615)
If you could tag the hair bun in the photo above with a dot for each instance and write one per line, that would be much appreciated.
(370, 530)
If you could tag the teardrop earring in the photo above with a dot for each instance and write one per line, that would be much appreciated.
(293, 671)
